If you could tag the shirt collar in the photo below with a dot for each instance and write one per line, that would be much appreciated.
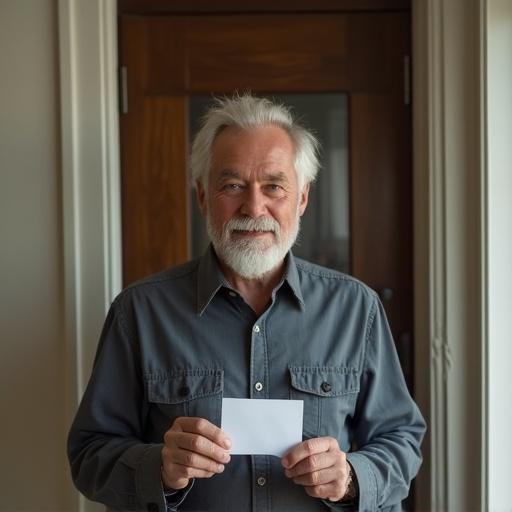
(210, 279)
(291, 276)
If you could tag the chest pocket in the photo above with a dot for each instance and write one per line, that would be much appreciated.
(329, 394)
(195, 393)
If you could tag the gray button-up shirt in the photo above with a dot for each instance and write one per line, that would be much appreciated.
(176, 343)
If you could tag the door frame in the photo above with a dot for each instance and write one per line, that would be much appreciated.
(450, 208)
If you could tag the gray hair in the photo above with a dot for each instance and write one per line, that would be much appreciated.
(247, 112)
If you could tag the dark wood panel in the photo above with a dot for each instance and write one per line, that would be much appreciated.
(381, 208)
(293, 54)
(381, 178)
(376, 61)
(224, 6)
(168, 50)
(134, 54)
(153, 153)
(155, 187)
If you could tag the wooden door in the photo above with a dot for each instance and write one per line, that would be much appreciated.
(169, 58)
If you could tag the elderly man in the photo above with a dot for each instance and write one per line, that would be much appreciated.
(247, 320)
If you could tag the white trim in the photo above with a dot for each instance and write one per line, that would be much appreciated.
(111, 161)
(498, 248)
(90, 164)
(421, 198)
(90, 182)
(484, 247)
(440, 350)
(71, 246)
(449, 307)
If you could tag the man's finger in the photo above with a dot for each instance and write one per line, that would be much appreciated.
(177, 476)
(331, 491)
(203, 427)
(323, 477)
(306, 449)
(197, 461)
(313, 463)
(201, 445)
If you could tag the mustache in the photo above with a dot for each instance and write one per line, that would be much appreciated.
(250, 224)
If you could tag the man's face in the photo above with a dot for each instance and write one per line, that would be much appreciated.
(253, 203)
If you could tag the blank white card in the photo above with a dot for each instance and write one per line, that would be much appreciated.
(262, 427)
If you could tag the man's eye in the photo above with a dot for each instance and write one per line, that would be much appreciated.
(273, 188)
(232, 186)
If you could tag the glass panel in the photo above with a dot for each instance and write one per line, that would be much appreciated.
(324, 236)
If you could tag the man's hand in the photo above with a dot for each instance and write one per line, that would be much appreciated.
(193, 448)
(320, 466)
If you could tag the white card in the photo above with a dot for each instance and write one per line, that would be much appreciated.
(262, 427)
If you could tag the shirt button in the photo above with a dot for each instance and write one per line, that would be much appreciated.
(183, 391)
(258, 386)
(261, 481)
(232, 293)
(326, 387)
(256, 328)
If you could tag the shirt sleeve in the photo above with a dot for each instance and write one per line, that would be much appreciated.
(110, 462)
(173, 499)
(388, 427)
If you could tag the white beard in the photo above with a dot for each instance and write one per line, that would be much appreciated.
(251, 258)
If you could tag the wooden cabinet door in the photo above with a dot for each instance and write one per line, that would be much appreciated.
(169, 58)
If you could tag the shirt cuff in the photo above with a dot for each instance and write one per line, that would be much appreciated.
(366, 481)
(345, 504)
(148, 479)
(174, 499)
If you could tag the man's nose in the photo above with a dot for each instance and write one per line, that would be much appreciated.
(254, 203)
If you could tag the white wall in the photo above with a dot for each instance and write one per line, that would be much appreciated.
(33, 468)
(499, 250)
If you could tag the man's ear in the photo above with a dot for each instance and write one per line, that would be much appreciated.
(303, 199)
(201, 197)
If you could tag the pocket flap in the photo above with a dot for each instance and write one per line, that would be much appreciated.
(184, 385)
(325, 380)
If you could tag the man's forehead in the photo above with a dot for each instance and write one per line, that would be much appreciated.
(274, 176)
(232, 135)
